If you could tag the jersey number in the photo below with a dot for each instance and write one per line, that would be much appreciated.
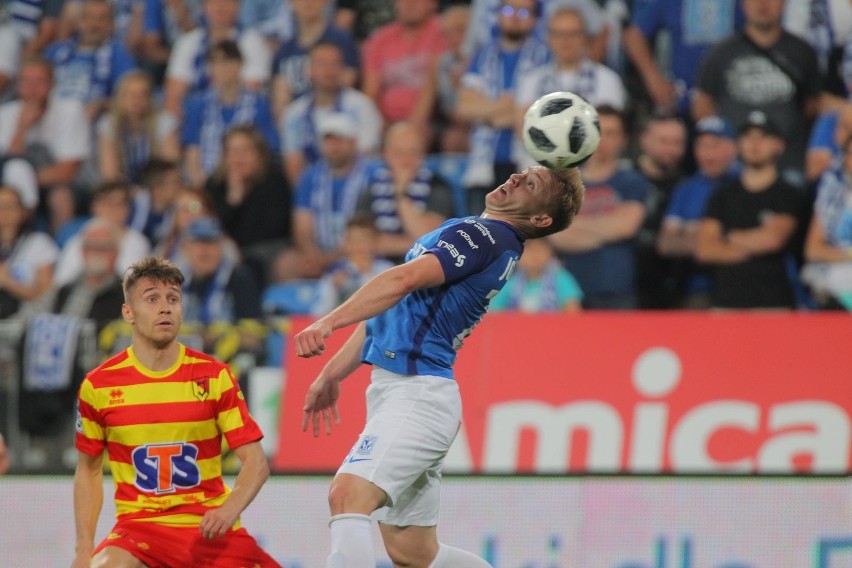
(165, 468)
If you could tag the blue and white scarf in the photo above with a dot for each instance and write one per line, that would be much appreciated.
(833, 206)
(330, 223)
(25, 16)
(214, 128)
(214, 305)
(311, 145)
(585, 84)
(101, 76)
(483, 141)
(136, 147)
(383, 194)
(50, 348)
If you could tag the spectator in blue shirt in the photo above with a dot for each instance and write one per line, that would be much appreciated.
(290, 64)
(226, 103)
(88, 66)
(716, 154)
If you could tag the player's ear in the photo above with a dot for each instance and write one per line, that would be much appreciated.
(126, 313)
(541, 221)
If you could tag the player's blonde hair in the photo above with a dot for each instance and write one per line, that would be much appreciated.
(566, 198)
(154, 268)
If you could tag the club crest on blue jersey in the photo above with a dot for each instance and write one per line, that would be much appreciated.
(165, 468)
(365, 448)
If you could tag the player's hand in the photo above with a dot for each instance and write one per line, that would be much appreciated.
(311, 340)
(321, 405)
(216, 522)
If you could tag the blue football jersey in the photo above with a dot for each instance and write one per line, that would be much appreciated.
(420, 335)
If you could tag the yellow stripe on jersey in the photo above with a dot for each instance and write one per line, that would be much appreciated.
(230, 420)
(126, 472)
(155, 393)
(133, 435)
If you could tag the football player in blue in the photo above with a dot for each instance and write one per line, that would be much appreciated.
(411, 320)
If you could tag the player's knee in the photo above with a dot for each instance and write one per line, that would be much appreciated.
(353, 494)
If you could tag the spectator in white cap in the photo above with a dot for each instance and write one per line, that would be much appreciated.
(328, 93)
(715, 155)
(328, 191)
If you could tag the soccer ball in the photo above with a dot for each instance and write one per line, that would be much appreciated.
(561, 130)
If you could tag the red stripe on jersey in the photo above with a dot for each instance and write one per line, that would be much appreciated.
(161, 413)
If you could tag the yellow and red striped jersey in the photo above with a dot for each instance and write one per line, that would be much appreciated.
(163, 433)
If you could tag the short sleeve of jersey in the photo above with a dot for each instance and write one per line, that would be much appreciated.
(90, 436)
(710, 79)
(790, 201)
(303, 189)
(822, 134)
(634, 186)
(462, 249)
(473, 79)
(647, 15)
(678, 203)
(153, 16)
(716, 205)
(190, 134)
(232, 415)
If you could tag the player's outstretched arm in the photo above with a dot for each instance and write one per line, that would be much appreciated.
(253, 474)
(88, 500)
(380, 293)
(321, 400)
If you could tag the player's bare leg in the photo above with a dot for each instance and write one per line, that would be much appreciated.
(414, 547)
(418, 547)
(115, 557)
(351, 500)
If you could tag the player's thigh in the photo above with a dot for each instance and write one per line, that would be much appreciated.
(410, 546)
(351, 493)
(236, 548)
(115, 557)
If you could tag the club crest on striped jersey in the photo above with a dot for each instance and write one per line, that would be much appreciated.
(166, 468)
(201, 389)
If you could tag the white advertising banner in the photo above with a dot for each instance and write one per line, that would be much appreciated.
(519, 522)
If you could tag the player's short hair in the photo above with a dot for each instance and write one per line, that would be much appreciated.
(154, 268)
(566, 197)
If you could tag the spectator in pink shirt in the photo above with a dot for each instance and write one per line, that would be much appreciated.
(398, 58)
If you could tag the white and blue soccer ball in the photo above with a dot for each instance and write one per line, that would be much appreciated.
(561, 130)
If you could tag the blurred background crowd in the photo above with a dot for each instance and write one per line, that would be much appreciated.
(282, 152)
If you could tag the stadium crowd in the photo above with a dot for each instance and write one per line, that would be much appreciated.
(281, 152)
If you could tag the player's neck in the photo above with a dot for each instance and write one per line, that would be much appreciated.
(153, 357)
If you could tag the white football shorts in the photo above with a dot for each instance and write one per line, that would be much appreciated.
(411, 422)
